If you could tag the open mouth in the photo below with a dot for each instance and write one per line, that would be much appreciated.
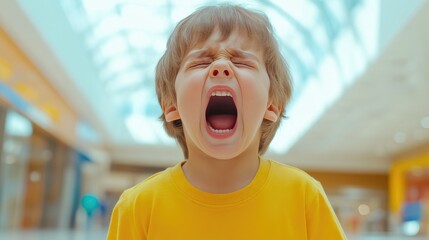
(221, 112)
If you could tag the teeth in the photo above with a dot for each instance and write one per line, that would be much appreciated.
(221, 93)
(220, 130)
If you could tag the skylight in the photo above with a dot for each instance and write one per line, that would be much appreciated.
(125, 39)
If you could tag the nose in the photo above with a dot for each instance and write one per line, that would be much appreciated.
(221, 70)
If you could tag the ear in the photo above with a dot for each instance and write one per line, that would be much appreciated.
(272, 113)
(171, 113)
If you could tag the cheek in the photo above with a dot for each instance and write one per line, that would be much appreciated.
(256, 91)
(188, 90)
(188, 83)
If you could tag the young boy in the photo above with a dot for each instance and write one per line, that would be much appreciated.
(223, 87)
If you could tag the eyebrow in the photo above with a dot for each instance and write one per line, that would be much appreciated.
(197, 54)
(242, 54)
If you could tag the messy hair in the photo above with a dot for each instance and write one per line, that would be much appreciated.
(195, 29)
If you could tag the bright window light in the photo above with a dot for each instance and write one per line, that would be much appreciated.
(315, 38)
(411, 228)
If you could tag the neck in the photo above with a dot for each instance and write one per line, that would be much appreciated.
(221, 176)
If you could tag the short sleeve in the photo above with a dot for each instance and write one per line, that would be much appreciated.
(123, 224)
(322, 222)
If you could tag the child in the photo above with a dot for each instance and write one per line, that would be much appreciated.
(223, 87)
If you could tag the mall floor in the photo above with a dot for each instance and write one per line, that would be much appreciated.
(101, 235)
(53, 235)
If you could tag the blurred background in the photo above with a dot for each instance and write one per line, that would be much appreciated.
(79, 115)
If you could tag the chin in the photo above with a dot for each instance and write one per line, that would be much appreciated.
(225, 152)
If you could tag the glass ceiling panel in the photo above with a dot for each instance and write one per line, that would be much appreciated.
(125, 39)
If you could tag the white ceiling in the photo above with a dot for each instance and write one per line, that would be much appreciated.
(377, 116)
(381, 114)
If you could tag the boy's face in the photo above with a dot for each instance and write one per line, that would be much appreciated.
(222, 91)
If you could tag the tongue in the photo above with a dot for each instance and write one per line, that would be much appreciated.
(222, 121)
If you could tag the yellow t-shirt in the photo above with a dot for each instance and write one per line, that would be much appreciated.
(281, 202)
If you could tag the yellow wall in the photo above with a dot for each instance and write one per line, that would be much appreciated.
(397, 178)
(48, 109)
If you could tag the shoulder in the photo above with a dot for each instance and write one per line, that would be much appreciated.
(320, 217)
(294, 177)
(125, 223)
(144, 191)
(291, 173)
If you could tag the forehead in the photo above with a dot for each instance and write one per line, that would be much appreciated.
(236, 40)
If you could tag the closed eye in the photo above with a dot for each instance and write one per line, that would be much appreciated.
(244, 64)
(197, 65)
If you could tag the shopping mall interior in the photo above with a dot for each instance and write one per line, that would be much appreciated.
(79, 115)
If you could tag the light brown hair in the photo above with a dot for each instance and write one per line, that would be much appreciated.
(196, 28)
